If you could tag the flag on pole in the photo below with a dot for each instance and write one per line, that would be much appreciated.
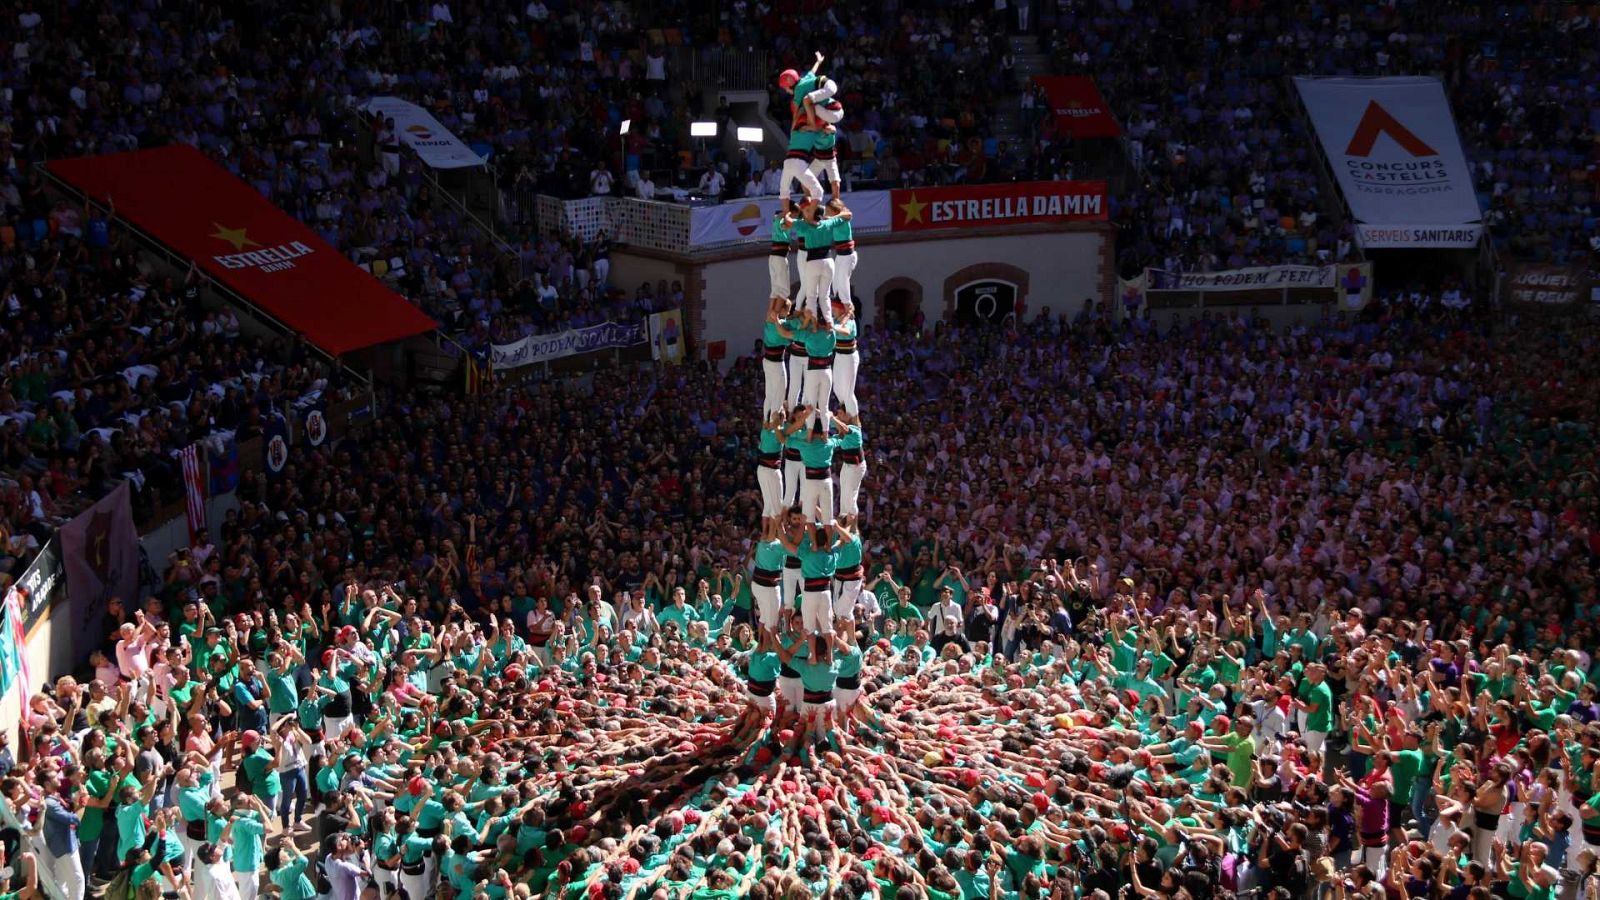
(194, 490)
(275, 444)
(480, 375)
(223, 464)
(14, 653)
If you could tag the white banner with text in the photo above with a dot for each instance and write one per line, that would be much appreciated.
(1393, 147)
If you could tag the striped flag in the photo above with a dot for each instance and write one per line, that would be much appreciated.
(480, 376)
(14, 653)
(194, 490)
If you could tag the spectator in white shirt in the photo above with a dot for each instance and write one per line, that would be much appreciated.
(712, 183)
(600, 181)
(946, 617)
(645, 189)
(441, 13)
(754, 188)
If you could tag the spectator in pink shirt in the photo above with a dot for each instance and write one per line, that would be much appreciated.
(133, 659)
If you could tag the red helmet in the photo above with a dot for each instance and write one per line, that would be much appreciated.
(788, 78)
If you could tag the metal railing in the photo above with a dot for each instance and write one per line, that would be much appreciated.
(731, 69)
(486, 228)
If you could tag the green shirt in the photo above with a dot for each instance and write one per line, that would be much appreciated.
(1321, 718)
(292, 881)
(263, 772)
(820, 343)
(762, 666)
(806, 84)
(817, 453)
(682, 615)
(818, 236)
(249, 838)
(130, 828)
(770, 555)
(816, 676)
(1241, 753)
(192, 801)
(849, 553)
(840, 226)
(781, 233)
(817, 562)
(285, 696)
(93, 820)
(1405, 768)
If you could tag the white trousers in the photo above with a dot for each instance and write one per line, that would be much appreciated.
(418, 886)
(845, 596)
(799, 169)
(1376, 859)
(845, 366)
(388, 882)
(336, 726)
(1314, 740)
(795, 366)
(816, 287)
(792, 582)
(190, 847)
(249, 884)
(602, 272)
(844, 700)
(850, 478)
(1482, 841)
(67, 872)
(776, 378)
(843, 268)
(767, 604)
(815, 492)
(791, 692)
(816, 612)
(778, 275)
(771, 482)
(819, 384)
(829, 166)
(826, 88)
(794, 472)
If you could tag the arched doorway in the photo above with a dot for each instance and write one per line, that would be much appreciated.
(989, 293)
(896, 304)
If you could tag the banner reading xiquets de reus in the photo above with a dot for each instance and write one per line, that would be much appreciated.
(101, 551)
(1393, 148)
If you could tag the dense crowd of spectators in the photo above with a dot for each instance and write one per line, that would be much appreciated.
(111, 365)
(1180, 612)
(1229, 169)
(1292, 611)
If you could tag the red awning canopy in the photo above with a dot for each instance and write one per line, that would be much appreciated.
(201, 211)
(1079, 109)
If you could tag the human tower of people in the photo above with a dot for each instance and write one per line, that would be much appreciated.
(808, 560)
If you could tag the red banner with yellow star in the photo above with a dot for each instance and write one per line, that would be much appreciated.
(182, 199)
(980, 205)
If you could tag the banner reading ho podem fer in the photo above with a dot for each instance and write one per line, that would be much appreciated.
(1393, 147)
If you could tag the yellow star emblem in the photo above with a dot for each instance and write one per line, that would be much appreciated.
(234, 236)
(912, 209)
